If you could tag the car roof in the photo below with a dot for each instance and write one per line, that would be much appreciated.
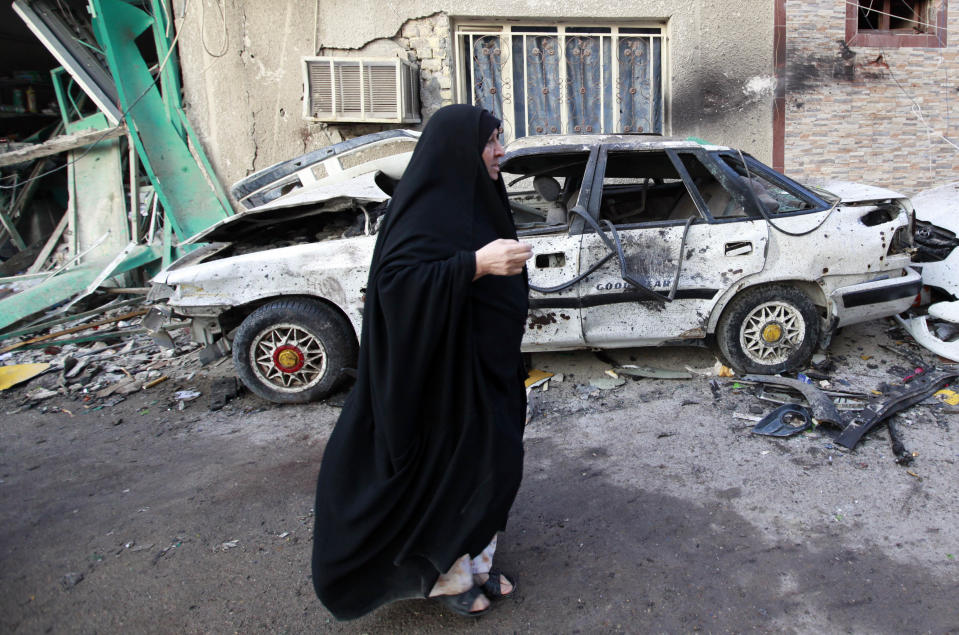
(566, 143)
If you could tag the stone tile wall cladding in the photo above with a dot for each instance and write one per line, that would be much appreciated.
(430, 45)
(848, 118)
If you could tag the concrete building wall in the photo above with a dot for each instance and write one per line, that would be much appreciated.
(874, 115)
(242, 65)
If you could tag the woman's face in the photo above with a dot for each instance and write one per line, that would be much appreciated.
(492, 152)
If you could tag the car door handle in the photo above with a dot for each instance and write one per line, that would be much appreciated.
(547, 261)
(739, 248)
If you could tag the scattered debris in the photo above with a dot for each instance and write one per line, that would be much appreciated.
(724, 371)
(72, 579)
(606, 382)
(822, 407)
(714, 388)
(653, 373)
(785, 421)
(155, 382)
(537, 378)
(903, 456)
(950, 397)
(879, 411)
(224, 391)
(822, 363)
(38, 394)
(934, 339)
(18, 373)
(186, 395)
(75, 329)
(784, 395)
(176, 543)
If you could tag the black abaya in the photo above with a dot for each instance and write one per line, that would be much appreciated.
(426, 458)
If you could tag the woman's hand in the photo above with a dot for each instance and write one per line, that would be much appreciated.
(502, 257)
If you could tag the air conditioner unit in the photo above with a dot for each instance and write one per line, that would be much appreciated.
(350, 89)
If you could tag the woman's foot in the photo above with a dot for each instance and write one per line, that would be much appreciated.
(495, 584)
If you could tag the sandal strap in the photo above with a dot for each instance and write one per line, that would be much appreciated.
(461, 603)
(493, 586)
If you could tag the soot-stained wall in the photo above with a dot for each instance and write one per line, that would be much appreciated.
(241, 65)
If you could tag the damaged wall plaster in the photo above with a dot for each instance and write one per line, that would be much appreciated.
(247, 104)
(426, 42)
(869, 114)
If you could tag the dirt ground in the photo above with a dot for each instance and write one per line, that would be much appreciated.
(649, 507)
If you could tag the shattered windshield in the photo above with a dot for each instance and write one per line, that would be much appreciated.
(773, 197)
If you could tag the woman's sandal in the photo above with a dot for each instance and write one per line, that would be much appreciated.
(463, 602)
(493, 587)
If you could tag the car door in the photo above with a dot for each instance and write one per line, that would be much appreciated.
(555, 318)
(670, 211)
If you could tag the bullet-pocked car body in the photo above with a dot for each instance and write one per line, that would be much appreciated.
(637, 240)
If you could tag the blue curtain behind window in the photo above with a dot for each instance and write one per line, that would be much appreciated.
(542, 77)
(593, 104)
(488, 74)
(638, 83)
(585, 85)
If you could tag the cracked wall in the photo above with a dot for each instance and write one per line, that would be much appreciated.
(242, 65)
(426, 42)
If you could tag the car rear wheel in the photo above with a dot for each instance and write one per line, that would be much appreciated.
(768, 330)
(293, 351)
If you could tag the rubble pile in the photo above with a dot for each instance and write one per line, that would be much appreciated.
(98, 358)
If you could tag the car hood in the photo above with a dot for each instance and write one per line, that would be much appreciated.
(852, 193)
(307, 201)
(939, 206)
(290, 261)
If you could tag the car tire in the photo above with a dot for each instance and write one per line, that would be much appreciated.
(293, 351)
(768, 330)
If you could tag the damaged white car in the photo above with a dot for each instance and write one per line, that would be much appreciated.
(935, 324)
(638, 240)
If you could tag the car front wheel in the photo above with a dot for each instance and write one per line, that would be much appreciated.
(768, 330)
(293, 351)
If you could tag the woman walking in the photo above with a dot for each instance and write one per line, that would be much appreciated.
(424, 463)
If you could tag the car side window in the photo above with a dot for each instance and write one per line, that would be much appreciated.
(721, 202)
(541, 192)
(646, 187)
(640, 187)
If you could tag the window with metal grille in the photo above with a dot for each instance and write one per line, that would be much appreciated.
(892, 23)
(564, 79)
